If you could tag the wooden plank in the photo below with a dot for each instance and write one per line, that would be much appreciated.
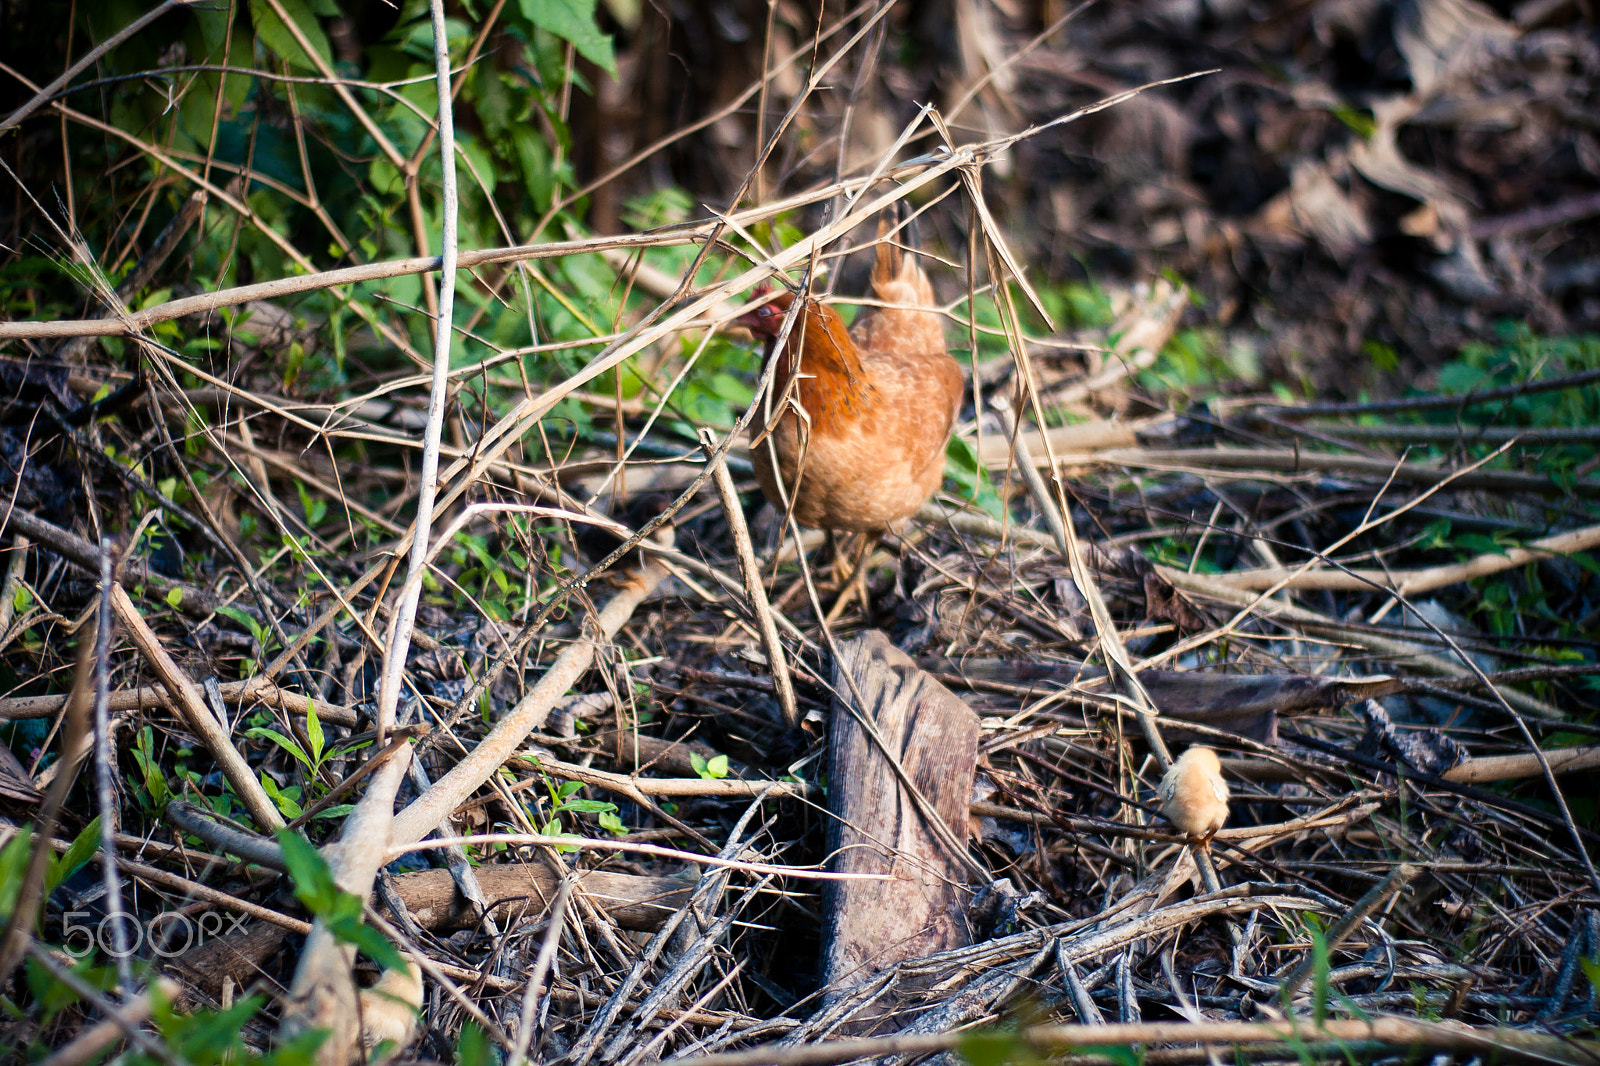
(869, 926)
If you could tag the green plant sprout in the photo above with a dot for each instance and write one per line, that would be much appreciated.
(712, 769)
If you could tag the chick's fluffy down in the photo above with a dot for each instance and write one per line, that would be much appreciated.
(1194, 797)
(389, 1008)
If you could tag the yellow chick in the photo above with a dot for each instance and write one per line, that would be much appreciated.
(1193, 795)
(389, 1009)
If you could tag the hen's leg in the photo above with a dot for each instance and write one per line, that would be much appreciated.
(855, 584)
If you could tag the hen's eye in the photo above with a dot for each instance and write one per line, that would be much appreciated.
(765, 311)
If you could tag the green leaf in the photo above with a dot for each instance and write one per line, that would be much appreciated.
(711, 769)
(612, 824)
(372, 943)
(1319, 978)
(339, 910)
(1479, 544)
(315, 507)
(251, 626)
(83, 848)
(963, 468)
(582, 806)
(313, 881)
(472, 1047)
(573, 20)
(155, 781)
(174, 597)
(1591, 970)
(995, 1047)
(206, 1035)
(13, 863)
(553, 828)
(282, 741)
(55, 996)
(281, 42)
(314, 732)
(289, 803)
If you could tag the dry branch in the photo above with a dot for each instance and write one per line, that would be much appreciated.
(1319, 625)
(1514, 767)
(428, 811)
(89, 1044)
(755, 591)
(1397, 879)
(668, 786)
(253, 691)
(197, 717)
(1395, 1032)
(1263, 462)
(75, 549)
(1411, 582)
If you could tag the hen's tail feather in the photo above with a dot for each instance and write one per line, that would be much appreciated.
(894, 266)
(891, 258)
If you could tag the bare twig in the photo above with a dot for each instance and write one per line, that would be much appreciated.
(197, 717)
(29, 895)
(1436, 403)
(253, 690)
(1383, 1029)
(1410, 582)
(124, 1019)
(88, 1044)
(1379, 894)
(1286, 460)
(428, 811)
(323, 992)
(755, 591)
(87, 60)
(1513, 767)
(541, 968)
(800, 872)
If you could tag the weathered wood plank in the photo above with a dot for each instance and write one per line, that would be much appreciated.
(877, 828)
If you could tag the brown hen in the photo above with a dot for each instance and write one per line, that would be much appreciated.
(864, 414)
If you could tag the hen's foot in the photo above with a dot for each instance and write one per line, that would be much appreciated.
(855, 589)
